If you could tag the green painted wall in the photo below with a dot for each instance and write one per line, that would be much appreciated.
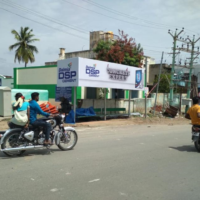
(127, 94)
(27, 68)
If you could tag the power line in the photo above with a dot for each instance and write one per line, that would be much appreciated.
(60, 29)
(17, 6)
(111, 16)
(157, 47)
(152, 50)
(44, 24)
(129, 16)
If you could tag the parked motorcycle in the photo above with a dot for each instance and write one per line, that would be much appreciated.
(15, 142)
(196, 137)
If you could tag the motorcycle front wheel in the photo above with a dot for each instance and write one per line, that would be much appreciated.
(68, 140)
(11, 141)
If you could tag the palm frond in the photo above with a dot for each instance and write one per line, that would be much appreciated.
(32, 48)
(33, 40)
(16, 34)
(11, 47)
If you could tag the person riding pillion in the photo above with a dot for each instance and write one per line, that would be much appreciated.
(21, 112)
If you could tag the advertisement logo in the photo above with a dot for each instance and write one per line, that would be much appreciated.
(92, 71)
(70, 64)
(66, 75)
(116, 74)
(138, 79)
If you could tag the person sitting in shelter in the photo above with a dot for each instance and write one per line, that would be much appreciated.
(65, 105)
(21, 112)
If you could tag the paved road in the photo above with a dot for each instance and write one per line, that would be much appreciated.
(134, 162)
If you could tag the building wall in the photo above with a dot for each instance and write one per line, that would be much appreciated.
(96, 36)
(6, 82)
(150, 61)
(154, 70)
(82, 54)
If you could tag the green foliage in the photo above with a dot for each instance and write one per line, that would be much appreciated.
(123, 51)
(24, 50)
(164, 86)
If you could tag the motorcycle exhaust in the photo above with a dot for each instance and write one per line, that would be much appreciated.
(23, 148)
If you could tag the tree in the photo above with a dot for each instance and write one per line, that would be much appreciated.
(123, 51)
(24, 51)
(164, 86)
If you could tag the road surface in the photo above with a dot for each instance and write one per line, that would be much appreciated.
(136, 162)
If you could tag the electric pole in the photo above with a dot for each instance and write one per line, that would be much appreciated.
(175, 38)
(194, 55)
(193, 52)
(158, 82)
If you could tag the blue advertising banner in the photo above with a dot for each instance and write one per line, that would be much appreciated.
(138, 79)
(63, 92)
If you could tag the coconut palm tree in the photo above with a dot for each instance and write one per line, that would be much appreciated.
(24, 51)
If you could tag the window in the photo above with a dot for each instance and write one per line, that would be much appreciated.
(117, 94)
(91, 93)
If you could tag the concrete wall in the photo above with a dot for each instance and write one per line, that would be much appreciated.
(162, 99)
(83, 54)
(37, 76)
(136, 105)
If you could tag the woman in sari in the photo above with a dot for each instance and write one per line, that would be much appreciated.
(21, 112)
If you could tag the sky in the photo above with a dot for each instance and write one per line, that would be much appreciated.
(67, 23)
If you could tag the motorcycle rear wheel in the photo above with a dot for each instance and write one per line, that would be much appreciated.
(197, 146)
(9, 142)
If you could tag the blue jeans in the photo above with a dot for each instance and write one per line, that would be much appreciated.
(46, 127)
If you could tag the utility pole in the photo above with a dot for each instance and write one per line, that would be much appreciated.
(145, 86)
(158, 82)
(194, 55)
(192, 42)
(175, 38)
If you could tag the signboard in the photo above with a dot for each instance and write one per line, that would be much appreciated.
(94, 73)
(63, 92)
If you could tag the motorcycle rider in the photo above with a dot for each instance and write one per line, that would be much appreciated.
(34, 110)
(194, 112)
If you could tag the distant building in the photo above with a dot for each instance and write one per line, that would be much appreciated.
(95, 37)
(6, 81)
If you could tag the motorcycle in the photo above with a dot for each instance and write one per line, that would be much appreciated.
(196, 137)
(14, 142)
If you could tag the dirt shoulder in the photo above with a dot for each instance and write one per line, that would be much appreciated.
(121, 122)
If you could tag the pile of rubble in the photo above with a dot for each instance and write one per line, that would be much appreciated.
(166, 111)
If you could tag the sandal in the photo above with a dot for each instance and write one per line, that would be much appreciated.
(48, 142)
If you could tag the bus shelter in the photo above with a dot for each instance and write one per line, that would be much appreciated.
(75, 72)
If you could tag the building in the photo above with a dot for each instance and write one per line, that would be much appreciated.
(95, 37)
(6, 81)
(153, 71)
